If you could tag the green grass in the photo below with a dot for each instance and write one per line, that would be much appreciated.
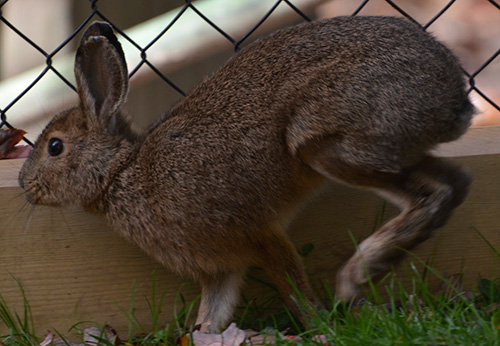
(21, 326)
(418, 316)
(389, 315)
(422, 318)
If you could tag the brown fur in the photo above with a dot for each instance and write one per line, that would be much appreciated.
(209, 189)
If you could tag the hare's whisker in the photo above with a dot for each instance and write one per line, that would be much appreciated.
(27, 223)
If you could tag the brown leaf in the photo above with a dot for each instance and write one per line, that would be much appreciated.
(232, 336)
(92, 335)
(8, 140)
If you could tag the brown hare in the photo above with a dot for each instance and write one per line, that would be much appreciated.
(209, 189)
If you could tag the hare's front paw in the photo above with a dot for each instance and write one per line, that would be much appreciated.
(204, 327)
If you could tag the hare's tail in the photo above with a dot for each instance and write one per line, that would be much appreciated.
(463, 118)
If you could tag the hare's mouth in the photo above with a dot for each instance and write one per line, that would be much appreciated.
(32, 192)
(36, 194)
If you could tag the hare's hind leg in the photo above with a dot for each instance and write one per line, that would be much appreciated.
(280, 260)
(427, 192)
(282, 263)
(219, 296)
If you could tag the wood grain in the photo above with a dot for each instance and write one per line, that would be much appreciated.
(74, 268)
(477, 141)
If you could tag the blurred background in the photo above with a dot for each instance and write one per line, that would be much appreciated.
(38, 38)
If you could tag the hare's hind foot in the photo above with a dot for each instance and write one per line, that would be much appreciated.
(426, 192)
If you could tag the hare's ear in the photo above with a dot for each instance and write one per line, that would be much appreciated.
(101, 72)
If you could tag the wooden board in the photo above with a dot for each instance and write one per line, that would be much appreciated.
(477, 141)
(74, 268)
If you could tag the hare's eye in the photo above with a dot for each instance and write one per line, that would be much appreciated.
(55, 146)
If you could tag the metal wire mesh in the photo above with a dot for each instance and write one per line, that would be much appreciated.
(95, 13)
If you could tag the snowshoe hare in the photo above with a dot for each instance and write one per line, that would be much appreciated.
(209, 189)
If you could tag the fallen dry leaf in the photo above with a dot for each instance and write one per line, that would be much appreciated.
(48, 340)
(232, 336)
(8, 140)
(93, 335)
(184, 340)
(258, 339)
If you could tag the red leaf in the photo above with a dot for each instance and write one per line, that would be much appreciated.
(8, 140)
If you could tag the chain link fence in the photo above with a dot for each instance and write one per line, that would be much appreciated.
(297, 10)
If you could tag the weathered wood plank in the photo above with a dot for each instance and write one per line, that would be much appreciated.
(67, 258)
(74, 268)
(477, 141)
